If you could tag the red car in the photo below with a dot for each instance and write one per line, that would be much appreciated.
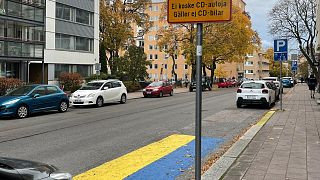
(158, 89)
(226, 83)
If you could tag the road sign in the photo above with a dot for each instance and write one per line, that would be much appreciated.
(280, 49)
(97, 67)
(197, 11)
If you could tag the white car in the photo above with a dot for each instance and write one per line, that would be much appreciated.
(99, 92)
(256, 92)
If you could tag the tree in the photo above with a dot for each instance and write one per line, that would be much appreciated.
(274, 67)
(296, 20)
(117, 20)
(229, 42)
(103, 59)
(134, 63)
(303, 70)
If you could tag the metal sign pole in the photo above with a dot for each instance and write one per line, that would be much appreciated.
(198, 103)
(281, 82)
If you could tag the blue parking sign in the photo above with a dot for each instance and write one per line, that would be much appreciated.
(280, 49)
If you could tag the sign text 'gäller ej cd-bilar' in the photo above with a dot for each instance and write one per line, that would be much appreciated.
(197, 11)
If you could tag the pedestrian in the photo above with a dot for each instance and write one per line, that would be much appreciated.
(312, 83)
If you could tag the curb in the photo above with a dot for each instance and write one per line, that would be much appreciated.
(220, 167)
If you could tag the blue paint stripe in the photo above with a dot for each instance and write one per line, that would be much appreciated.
(177, 162)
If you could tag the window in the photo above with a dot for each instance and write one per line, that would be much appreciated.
(150, 47)
(176, 66)
(150, 56)
(38, 51)
(27, 50)
(61, 68)
(38, 14)
(156, 56)
(84, 70)
(166, 66)
(51, 90)
(150, 66)
(249, 63)
(249, 71)
(155, 8)
(82, 16)
(108, 84)
(2, 7)
(185, 66)
(14, 9)
(27, 12)
(175, 56)
(40, 90)
(141, 43)
(63, 12)
(1, 28)
(156, 66)
(156, 47)
(14, 49)
(116, 84)
(1, 47)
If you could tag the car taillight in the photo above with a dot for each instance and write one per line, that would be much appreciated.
(265, 91)
(239, 91)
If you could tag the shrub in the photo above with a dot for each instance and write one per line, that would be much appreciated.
(8, 84)
(102, 76)
(132, 87)
(70, 81)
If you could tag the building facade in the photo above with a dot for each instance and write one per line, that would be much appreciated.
(22, 36)
(55, 35)
(256, 66)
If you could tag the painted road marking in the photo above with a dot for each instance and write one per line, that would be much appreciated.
(128, 164)
(265, 118)
(177, 162)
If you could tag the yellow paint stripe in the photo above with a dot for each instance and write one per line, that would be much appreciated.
(126, 165)
(265, 118)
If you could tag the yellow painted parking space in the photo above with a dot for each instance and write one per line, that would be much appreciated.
(128, 164)
(265, 118)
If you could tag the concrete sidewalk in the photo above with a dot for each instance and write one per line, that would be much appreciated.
(138, 94)
(286, 147)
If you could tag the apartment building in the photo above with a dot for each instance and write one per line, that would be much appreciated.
(256, 66)
(51, 35)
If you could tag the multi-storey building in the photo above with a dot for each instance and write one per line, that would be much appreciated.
(54, 35)
(256, 66)
(22, 36)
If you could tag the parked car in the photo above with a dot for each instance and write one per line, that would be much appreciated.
(206, 84)
(28, 99)
(255, 92)
(99, 92)
(286, 83)
(270, 78)
(17, 169)
(223, 83)
(158, 89)
(291, 81)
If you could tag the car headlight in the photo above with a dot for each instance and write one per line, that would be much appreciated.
(143, 89)
(71, 95)
(61, 176)
(91, 95)
(11, 102)
(155, 89)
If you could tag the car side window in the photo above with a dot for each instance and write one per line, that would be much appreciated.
(40, 90)
(108, 84)
(116, 84)
(51, 90)
(269, 85)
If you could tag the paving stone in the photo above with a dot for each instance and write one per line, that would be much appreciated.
(270, 176)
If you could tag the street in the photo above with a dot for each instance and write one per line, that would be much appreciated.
(86, 137)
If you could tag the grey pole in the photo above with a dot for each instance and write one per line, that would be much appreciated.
(281, 82)
(198, 103)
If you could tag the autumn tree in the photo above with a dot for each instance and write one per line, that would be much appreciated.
(274, 66)
(117, 19)
(296, 20)
(229, 42)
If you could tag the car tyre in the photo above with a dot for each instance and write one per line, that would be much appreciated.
(22, 111)
(160, 94)
(123, 99)
(190, 89)
(171, 93)
(99, 101)
(63, 106)
(239, 105)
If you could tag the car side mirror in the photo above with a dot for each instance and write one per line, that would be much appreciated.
(36, 95)
(105, 88)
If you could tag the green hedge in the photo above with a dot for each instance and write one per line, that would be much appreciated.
(70, 81)
(8, 84)
(132, 87)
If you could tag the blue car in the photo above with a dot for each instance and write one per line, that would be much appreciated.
(28, 99)
(286, 83)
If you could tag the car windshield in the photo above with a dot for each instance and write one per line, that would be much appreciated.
(253, 85)
(21, 91)
(156, 84)
(92, 86)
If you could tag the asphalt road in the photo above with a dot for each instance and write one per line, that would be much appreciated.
(84, 138)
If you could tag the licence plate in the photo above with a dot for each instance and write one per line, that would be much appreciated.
(148, 92)
(251, 97)
(77, 100)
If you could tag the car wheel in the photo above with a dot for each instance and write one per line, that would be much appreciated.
(22, 111)
(160, 94)
(63, 107)
(239, 105)
(171, 93)
(123, 99)
(190, 89)
(99, 101)
(209, 88)
(145, 96)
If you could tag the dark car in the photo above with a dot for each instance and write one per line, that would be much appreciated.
(28, 99)
(158, 89)
(286, 83)
(206, 84)
(17, 169)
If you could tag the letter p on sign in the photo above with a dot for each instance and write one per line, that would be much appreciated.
(280, 45)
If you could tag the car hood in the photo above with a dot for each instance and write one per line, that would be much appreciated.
(84, 92)
(153, 87)
(4, 99)
(35, 169)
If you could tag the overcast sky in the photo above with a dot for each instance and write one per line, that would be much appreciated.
(258, 10)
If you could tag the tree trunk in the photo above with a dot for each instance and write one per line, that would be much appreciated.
(204, 70)
(213, 67)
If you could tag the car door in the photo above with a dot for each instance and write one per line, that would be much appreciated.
(117, 90)
(272, 92)
(53, 96)
(107, 93)
(40, 102)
